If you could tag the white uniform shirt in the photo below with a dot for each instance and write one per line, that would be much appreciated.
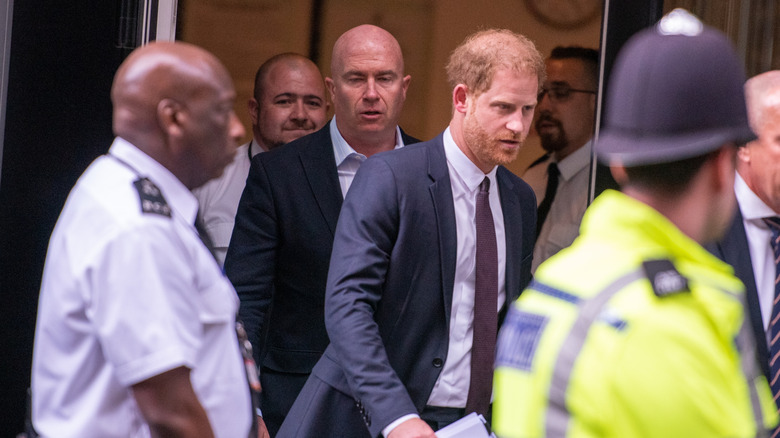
(126, 296)
(562, 225)
(759, 238)
(218, 199)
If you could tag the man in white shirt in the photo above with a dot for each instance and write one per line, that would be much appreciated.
(748, 245)
(136, 331)
(288, 103)
(565, 120)
(433, 240)
(281, 245)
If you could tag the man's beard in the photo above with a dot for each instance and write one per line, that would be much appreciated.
(552, 141)
(486, 148)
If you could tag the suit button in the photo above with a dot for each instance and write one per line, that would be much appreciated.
(438, 362)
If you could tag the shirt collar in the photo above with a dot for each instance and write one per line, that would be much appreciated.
(342, 150)
(576, 161)
(255, 148)
(179, 197)
(750, 205)
(465, 170)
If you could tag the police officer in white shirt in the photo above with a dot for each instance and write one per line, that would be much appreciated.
(136, 332)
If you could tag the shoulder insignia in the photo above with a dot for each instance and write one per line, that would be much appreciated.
(664, 277)
(518, 339)
(152, 200)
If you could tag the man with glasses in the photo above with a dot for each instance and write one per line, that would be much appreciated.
(565, 119)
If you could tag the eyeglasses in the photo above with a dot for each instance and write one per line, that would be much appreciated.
(560, 93)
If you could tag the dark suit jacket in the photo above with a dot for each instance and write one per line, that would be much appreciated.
(279, 254)
(390, 286)
(733, 249)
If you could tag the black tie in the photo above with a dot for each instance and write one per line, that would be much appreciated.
(549, 196)
(204, 236)
(483, 347)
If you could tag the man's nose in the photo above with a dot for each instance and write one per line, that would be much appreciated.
(371, 92)
(299, 112)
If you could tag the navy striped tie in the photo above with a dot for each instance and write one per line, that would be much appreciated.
(774, 322)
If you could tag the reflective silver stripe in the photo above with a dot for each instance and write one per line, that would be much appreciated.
(747, 350)
(557, 420)
(746, 346)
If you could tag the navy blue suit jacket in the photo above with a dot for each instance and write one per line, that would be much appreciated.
(278, 261)
(390, 287)
(733, 249)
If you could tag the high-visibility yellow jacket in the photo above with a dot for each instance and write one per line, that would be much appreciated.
(633, 331)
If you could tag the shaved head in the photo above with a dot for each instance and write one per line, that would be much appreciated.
(758, 161)
(159, 71)
(289, 100)
(367, 87)
(366, 39)
(171, 101)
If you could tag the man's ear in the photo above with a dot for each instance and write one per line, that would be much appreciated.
(460, 98)
(254, 110)
(405, 83)
(171, 116)
(743, 152)
(725, 162)
(619, 174)
(331, 86)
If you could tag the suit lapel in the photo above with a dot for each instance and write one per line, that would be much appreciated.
(407, 139)
(513, 227)
(319, 165)
(444, 207)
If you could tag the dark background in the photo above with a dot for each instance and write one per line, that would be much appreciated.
(63, 58)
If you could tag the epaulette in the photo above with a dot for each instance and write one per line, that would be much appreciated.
(152, 200)
(664, 277)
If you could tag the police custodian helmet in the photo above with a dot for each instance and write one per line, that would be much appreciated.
(676, 92)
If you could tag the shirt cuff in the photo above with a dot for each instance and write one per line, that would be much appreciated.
(386, 431)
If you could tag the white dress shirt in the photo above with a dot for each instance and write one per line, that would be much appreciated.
(347, 160)
(452, 386)
(562, 225)
(218, 199)
(759, 238)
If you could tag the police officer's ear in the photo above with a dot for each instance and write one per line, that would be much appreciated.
(171, 117)
(725, 161)
(619, 174)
